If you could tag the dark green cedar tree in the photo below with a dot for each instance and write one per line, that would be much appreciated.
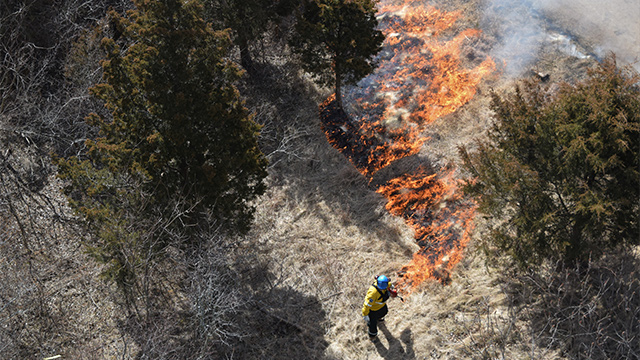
(562, 168)
(177, 130)
(337, 41)
(248, 20)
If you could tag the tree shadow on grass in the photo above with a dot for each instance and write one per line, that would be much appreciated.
(226, 311)
(285, 325)
(397, 349)
(278, 322)
(588, 311)
(314, 175)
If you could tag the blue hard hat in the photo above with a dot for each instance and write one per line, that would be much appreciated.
(383, 282)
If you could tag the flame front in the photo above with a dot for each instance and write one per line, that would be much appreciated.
(420, 77)
(441, 217)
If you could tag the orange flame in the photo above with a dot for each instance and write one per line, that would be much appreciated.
(420, 77)
(443, 221)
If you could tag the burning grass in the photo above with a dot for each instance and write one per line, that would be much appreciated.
(329, 231)
(442, 219)
(420, 78)
(320, 234)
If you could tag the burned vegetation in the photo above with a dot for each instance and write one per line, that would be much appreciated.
(148, 266)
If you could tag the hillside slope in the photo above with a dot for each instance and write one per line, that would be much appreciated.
(320, 236)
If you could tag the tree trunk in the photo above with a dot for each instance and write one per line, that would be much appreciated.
(338, 88)
(574, 250)
(245, 55)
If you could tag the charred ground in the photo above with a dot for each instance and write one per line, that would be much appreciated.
(321, 232)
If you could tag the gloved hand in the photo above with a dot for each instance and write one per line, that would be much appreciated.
(393, 293)
(366, 318)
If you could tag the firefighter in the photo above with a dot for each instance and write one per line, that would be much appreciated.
(375, 307)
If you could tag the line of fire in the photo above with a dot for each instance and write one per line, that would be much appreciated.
(419, 78)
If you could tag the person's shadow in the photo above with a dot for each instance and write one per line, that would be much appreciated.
(396, 350)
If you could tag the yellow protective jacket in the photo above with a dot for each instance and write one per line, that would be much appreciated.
(374, 300)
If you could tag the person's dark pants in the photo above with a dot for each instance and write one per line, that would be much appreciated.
(374, 316)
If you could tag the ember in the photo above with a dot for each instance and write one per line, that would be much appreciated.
(419, 79)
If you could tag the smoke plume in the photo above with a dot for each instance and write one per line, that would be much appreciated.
(577, 28)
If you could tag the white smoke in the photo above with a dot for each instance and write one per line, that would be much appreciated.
(577, 28)
(612, 25)
(518, 32)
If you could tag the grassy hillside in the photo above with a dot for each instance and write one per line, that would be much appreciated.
(320, 235)
(324, 232)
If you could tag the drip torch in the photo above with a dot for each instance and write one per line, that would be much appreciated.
(394, 293)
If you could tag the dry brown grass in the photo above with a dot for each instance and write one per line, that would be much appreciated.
(325, 233)
(321, 234)
(51, 299)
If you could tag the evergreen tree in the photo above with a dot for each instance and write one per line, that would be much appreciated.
(337, 40)
(563, 169)
(177, 130)
(248, 19)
